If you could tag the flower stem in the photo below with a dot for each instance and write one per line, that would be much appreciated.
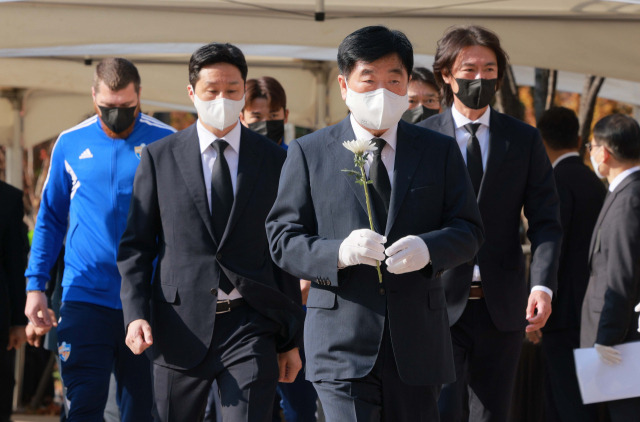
(366, 196)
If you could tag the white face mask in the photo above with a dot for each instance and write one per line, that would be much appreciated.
(379, 109)
(595, 165)
(220, 113)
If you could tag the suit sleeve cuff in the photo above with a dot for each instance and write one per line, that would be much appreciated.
(544, 289)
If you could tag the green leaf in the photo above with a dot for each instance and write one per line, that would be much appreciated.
(351, 172)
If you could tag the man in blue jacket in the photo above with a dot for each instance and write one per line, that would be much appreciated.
(86, 196)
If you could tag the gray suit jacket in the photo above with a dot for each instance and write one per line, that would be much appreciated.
(614, 286)
(318, 206)
(518, 174)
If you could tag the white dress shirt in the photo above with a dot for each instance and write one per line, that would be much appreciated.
(209, 155)
(462, 137)
(563, 156)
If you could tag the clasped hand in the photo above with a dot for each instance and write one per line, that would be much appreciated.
(366, 247)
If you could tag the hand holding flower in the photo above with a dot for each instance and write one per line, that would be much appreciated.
(360, 149)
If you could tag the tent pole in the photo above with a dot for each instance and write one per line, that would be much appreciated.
(321, 72)
(14, 152)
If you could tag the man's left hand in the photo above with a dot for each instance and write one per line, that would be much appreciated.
(17, 336)
(538, 310)
(406, 255)
(290, 364)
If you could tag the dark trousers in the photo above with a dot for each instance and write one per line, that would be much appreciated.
(7, 381)
(627, 410)
(563, 402)
(486, 361)
(241, 358)
(379, 396)
(91, 346)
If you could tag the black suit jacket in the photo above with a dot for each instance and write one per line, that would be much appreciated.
(319, 205)
(169, 219)
(517, 174)
(13, 260)
(608, 317)
(581, 196)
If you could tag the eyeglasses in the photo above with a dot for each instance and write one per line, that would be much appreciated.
(591, 146)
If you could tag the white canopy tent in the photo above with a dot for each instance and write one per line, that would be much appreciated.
(45, 44)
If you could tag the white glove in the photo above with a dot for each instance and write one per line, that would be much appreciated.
(638, 310)
(408, 254)
(362, 246)
(608, 354)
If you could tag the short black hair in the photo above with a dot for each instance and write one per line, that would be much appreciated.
(424, 75)
(213, 53)
(452, 42)
(371, 43)
(620, 134)
(559, 128)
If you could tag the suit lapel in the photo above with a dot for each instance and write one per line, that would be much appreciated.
(344, 161)
(610, 198)
(498, 146)
(187, 154)
(249, 167)
(446, 126)
(409, 152)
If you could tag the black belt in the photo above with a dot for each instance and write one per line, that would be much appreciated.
(227, 305)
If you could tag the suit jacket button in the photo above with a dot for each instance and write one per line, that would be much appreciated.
(328, 283)
(214, 292)
(218, 256)
(381, 291)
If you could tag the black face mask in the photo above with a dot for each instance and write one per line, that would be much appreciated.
(272, 129)
(418, 114)
(118, 119)
(476, 93)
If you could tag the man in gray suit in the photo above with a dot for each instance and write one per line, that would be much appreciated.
(608, 317)
(375, 350)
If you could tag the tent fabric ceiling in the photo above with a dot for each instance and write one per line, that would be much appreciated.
(44, 44)
(597, 37)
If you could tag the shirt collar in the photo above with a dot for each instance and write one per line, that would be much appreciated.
(563, 156)
(206, 138)
(460, 120)
(390, 136)
(619, 178)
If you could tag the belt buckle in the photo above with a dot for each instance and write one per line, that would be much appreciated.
(224, 311)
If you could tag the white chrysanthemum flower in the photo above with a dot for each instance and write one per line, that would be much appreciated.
(359, 146)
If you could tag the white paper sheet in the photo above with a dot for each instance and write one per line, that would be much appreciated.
(601, 382)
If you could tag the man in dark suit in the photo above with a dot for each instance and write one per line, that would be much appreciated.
(487, 297)
(216, 308)
(375, 350)
(608, 317)
(13, 261)
(581, 196)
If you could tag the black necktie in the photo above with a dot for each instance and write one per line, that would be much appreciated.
(221, 200)
(474, 156)
(381, 192)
